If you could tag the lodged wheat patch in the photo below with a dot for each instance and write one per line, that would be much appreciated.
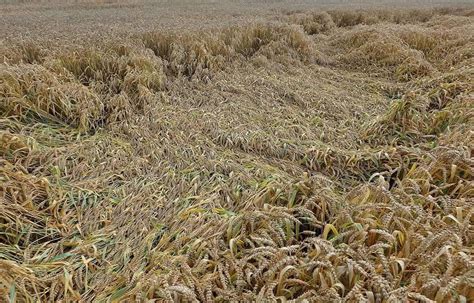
(319, 156)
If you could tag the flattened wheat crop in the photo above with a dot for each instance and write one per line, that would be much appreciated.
(318, 156)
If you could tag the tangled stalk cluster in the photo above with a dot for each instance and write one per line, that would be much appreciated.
(322, 157)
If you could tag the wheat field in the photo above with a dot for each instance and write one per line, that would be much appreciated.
(202, 152)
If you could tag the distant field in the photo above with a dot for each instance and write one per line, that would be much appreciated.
(214, 151)
(66, 18)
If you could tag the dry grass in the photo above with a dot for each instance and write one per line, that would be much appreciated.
(319, 157)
